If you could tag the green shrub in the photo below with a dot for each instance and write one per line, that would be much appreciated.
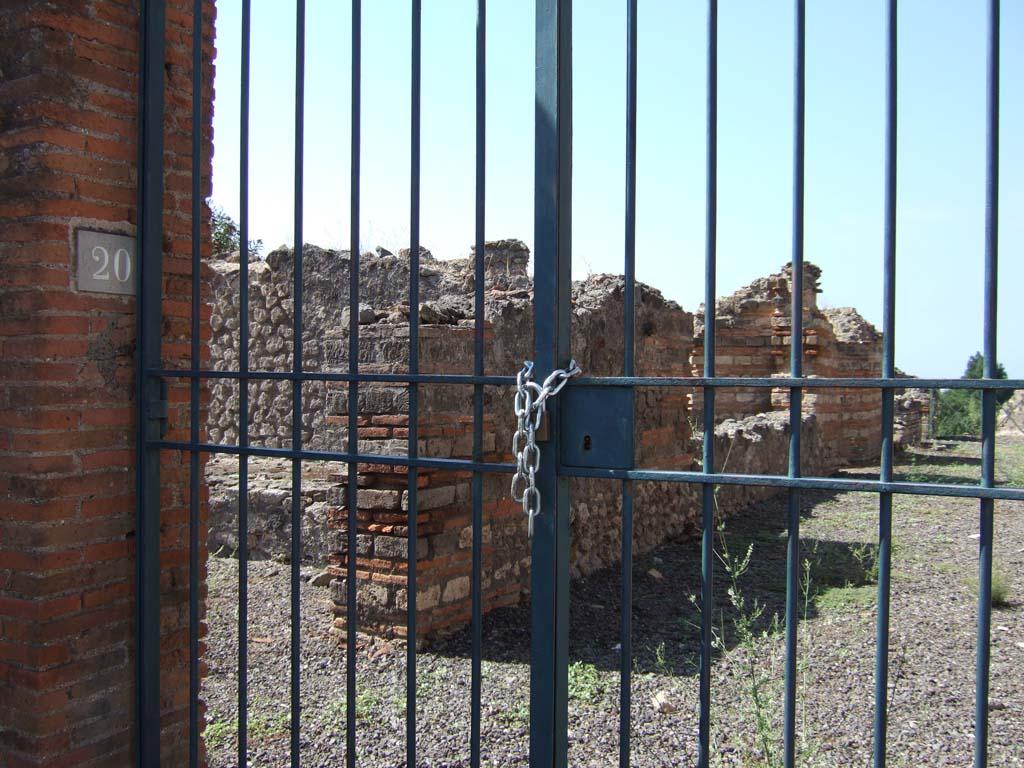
(225, 234)
(958, 411)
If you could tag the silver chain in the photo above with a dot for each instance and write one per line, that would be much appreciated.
(530, 402)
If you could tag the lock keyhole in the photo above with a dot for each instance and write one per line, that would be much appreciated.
(586, 443)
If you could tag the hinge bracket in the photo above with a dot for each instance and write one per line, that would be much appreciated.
(156, 409)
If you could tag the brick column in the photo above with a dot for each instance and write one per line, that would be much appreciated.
(444, 501)
(68, 156)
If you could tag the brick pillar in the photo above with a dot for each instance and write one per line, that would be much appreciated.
(68, 155)
(444, 497)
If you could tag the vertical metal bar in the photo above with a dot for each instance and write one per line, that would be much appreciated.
(353, 393)
(988, 396)
(552, 291)
(629, 311)
(148, 337)
(243, 395)
(478, 370)
(888, 372)
(629, 369)
(193, 459)
(707, 558)
(297, 362)
(796, 393)
(414, 368)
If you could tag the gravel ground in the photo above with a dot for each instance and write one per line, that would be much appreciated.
(931, 666)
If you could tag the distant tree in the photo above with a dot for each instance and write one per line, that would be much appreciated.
(225, 233)
(958, 411)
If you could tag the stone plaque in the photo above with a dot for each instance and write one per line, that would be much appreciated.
(106, 263)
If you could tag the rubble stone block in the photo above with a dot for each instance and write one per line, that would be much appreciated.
(372, 498)
(456, 589)
(398, 547)
(430, 498)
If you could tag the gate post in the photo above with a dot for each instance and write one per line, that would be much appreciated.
(552, 268)
(147, 388)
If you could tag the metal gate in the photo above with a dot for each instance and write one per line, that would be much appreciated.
(553, 243)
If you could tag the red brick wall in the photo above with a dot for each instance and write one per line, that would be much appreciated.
(68, 126)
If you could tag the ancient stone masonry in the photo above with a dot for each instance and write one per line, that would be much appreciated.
(753, 339)
(445, 424)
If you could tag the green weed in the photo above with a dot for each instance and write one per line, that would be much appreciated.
(866, 556)
(843, 598)
(585, 682)
(366, 702)
(661, 660)
(518, 715)
(220, 732)
(1002, 587)
(260, 725)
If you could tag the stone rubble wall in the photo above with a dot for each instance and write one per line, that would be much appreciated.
(759, 445)
(911, 427)
(754, 333)
(445, 292)
(269, 508)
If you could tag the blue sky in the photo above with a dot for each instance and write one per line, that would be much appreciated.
(941, 146)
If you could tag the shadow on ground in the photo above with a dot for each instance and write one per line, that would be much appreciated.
(665, 620)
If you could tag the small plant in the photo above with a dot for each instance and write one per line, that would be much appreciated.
(584, 682)
(518, 715)
(866, 556)
(1001, 588)
(366, 701)
(915, 474)
(219, 733)
(337, 709)
(263, 725)
(260, 724)
(661, 660)
(745, 625)
(753, 634)
(429, 677)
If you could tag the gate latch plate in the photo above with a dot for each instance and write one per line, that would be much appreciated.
(596, 427)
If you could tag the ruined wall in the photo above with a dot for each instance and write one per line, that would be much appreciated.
(759, 445)
(445, 424)
(839, 425)
(754, 335)
(445, 293)
(912, 408)
(664, 341)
